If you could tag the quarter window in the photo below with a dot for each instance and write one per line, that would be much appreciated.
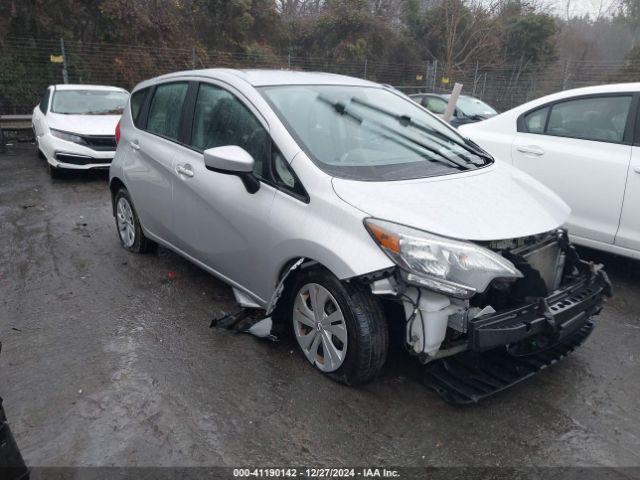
(221, 119)
(536, 121)
(597, 118)
(137, 101)
(166, 109)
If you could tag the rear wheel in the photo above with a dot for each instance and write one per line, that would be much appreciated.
(339, 326)
(132, 237)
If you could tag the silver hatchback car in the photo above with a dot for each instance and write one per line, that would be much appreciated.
(340, 206)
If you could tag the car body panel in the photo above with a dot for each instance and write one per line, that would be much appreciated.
(260, 234)
(596, 178)
(489, 204)
(628, 235)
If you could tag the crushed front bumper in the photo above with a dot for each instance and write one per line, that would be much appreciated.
(508, 347)
(545, 321)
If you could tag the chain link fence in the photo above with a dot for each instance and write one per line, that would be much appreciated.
(28, 66)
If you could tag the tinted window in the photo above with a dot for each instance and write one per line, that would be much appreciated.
(221, 119)
(166, 109)
(370, 133)
(284, 177)
(137, 101)
(435, 105)
(89, 102)
(44, 103)
(598, 118)
(535, 121)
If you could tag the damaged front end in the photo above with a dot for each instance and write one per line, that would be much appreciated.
(483, 323)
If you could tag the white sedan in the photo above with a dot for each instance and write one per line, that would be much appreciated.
(585, 145)
(75, 126)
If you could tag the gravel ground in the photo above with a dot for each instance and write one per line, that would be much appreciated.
(108, 359)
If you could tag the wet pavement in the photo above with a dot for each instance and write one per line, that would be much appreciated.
(108, 359)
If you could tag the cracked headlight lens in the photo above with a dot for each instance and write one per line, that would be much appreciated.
(69, 137)
(448, 266)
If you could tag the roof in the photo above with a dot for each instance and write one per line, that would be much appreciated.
(70, 86)
(263, 78)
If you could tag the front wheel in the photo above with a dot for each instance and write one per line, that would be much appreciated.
(339, 326)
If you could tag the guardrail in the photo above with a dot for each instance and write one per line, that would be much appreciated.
(16, 128)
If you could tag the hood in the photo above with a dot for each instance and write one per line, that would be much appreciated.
(84, 124)
(494, 203)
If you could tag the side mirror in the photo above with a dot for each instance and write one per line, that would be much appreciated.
(233, 160)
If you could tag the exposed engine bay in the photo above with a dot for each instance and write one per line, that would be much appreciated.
(524, 314)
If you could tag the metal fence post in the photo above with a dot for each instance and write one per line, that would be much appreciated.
(65, 74)
(435, 73)
(365, 68)
(193, 58)
(475, 79)
(289, 61)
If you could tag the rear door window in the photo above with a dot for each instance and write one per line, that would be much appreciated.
(166, 109)
(597, 118)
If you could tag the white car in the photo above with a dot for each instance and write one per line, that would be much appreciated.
(584, 144)
(75, 125)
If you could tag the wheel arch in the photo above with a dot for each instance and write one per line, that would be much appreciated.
(114, 185)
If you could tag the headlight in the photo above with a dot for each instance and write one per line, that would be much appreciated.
(452, 267)
(69, 137)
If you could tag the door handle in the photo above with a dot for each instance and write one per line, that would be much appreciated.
(530, 150)
(637, 169)
(134, 144)
(185, 169)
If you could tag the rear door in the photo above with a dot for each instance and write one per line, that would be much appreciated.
(629, 231)
(149, 169)
(581, 149)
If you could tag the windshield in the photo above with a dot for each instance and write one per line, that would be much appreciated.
(471, 107)
(370, 133)
(89, 102)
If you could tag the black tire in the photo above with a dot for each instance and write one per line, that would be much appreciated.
(141, 244)
(366, 325)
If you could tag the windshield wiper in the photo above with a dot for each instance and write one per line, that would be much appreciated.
(406, 120)
(342, 109)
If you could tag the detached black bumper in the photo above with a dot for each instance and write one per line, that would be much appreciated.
(544, 322)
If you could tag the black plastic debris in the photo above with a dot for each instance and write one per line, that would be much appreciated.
(471, 376)
(247, 320)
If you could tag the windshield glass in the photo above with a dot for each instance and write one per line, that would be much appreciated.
(89, 102)
(471, 107)
(370, 133)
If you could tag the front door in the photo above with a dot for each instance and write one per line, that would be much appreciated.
(581, 150)
(217, 221)
(629, 232)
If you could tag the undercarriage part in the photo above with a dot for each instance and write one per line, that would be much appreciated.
(427, 316)
(470, 376)
(247, 320)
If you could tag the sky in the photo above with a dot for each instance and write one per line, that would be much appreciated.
(581, 7)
